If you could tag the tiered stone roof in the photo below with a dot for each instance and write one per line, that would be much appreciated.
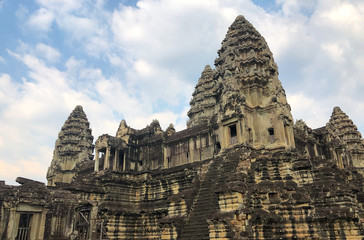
(342, 127)
(73, 146)
(244, 54)
(204, 99)
(244, 64)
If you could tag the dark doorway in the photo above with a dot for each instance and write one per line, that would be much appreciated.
(271, 134)
(83, 223)
(24, 227)
(233, 134)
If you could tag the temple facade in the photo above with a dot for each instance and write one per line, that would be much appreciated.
(242, 169)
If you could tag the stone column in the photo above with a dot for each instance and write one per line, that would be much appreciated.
(97, 160)
(315, 149)
(340, 159)
(333, 153)
(12, 224)
(124, 161)
(42, 225)
(192, 150)
(306, 150)
(107, 158)
(286, 135)
(116, 160)
(93, 223)
(291, 135)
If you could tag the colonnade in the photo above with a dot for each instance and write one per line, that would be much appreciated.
(114, 164)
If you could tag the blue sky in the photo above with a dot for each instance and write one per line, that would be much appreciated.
(140, 60)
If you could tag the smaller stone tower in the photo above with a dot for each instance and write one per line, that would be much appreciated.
(204, 99)
(342, 129)
(73, 146)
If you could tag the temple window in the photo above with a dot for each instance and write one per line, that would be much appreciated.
(271, 134)
(83, 222)
(218, 147)
(24, 226)
(102, 153)
(233, 134)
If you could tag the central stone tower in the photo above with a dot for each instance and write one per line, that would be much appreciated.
(243, 96)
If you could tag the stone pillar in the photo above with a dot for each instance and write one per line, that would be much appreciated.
(97, 160)
(286, 134)
(35, 224)
(226, 137)
(93, 223)
(282, 134)
(306, 149)
(124, 161)
(240, 131)
(291, 137)
(200, 149)
(12, 225)
(333, 154)
(315, 149)
(340, 159)
(192, 149)
(42, 225)
(165, 162)
(107, 158)
(116, 160)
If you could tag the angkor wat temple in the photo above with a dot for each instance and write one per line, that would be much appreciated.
(242, 169)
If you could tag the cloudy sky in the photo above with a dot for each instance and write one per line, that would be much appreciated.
(140, 60)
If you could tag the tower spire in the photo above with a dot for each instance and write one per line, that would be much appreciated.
(341, 127)
(73, 146)
(247, 92)
(204, 99)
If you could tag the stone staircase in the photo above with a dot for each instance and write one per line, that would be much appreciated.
(206, 203)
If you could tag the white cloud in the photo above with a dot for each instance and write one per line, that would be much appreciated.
(334, 51)
(62, 6)
(79, 28)
(341, 16)
(2, 60)
(115, 60)
(33, 112)
(8, 90)
(9, 170)
(49, 53)
(22, 12)
(306, 108)
(41, 20)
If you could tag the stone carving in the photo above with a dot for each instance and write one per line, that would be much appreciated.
(240, 170)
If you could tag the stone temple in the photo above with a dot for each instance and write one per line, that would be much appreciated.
(242, 169)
